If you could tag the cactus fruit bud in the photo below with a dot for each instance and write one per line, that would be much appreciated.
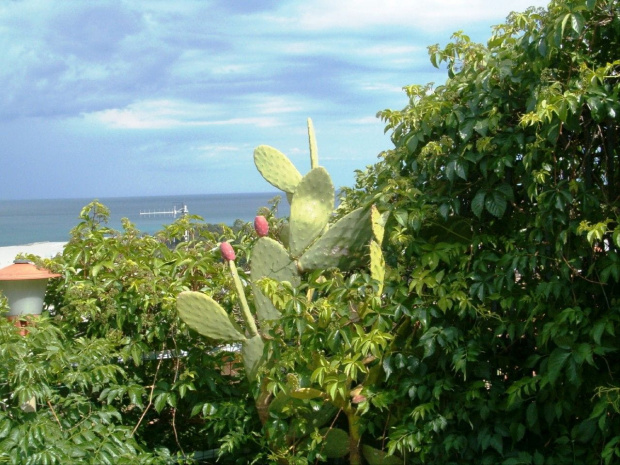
(261, 226)
(227, 251)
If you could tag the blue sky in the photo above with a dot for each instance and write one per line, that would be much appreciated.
(133, 98)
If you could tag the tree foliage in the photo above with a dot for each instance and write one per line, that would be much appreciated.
(490, 335)
(503, 244)
(65, 381)
(113, 363)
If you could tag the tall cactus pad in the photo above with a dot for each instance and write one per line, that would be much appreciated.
(378, 457)
(343, 245)
(314, 151)
(377, 265)
(252, 351)
(336, 442)
(306, 393)
(270, 259)
(378, 223)
(276, 168)
(205, 315)
(265, 310)
(312, 206)
(322, 415)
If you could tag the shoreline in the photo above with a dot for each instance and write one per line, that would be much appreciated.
(41, 249)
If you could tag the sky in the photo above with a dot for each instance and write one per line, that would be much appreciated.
(138, 98)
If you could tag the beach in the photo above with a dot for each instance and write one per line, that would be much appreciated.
(41, 249)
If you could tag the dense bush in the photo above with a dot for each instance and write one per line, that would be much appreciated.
(503, 246)
(112, 353)
(64, 379)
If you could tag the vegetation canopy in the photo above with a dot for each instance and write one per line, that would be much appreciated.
(503, 245)
(461, 306)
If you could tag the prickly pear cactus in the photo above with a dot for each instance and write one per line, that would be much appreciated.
(377, 262)
(276, 168)
(309, 243)
(341, 246)
(270, 260)
(203, 314)
(378, 457)
(313, 203)
(335, 442)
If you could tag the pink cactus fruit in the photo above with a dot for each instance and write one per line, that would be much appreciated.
(261, 226)
(227, 251)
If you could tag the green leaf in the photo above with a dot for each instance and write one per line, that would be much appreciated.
(577, 22)
(556, 361)
(461, 169)
(5, 427)
(496, 204)
(616, 237)
(401, 217)
(482, 126)
(466, 129)
(506, 191)
(160, 401)
(531, 415)
(497, 443)
(477, 204)
(539, 459)
(444, 210)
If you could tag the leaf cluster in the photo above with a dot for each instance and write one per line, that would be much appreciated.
(164, 394)
(502, 245)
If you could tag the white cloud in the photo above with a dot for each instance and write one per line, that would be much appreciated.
(153, 114)
(215, 151)
(427, 15)
(189, 82)
(277, 104)
(172, 114)
(365, 121)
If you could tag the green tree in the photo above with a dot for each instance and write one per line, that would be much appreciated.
(502, 246)
(64, 380)
(176, 393)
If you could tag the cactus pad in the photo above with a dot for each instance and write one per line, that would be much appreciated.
(336, 442)
(378, 457)
(270, 259)
(276, 168)
(343, 245)
(252, 351)
(305, 393)
(285, 234)
(279, 403)
(322, 415)
(312, 206)
(378, 221)
(314, 151)
(205, 315)
(377, 265)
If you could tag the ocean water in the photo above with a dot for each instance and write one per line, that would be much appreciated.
(29, 221)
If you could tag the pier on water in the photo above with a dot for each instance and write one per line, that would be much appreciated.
(174, 212)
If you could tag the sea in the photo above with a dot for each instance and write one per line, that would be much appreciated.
(50, 220)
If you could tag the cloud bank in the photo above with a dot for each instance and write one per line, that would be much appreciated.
(90, 85)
